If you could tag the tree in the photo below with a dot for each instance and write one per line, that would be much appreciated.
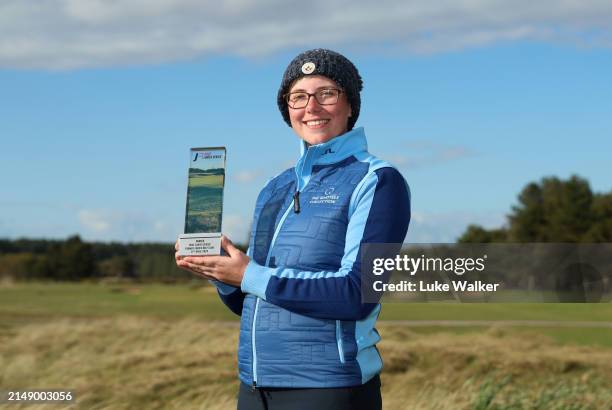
(601, 229)
(553, 210)
(118, 266)
(23, 266)
(477, 234)
(71, 260)
(527, 219)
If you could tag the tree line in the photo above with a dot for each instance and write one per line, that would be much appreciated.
(550, 210)
(74, 259)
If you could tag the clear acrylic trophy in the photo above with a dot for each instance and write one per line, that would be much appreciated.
(204, 208)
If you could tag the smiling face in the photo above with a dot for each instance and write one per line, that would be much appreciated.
(317, 123)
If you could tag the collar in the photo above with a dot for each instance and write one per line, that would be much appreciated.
(330, 152)
(336, 149)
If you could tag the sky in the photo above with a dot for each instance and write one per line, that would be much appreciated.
(471, 100)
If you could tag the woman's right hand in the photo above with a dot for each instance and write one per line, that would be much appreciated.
(228, 268)
(178, 258)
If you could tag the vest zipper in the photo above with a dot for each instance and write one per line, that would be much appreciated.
(254, 324)
(296, 195)
(296, 209)
(253, 343)
(339, 340)
(296, 202)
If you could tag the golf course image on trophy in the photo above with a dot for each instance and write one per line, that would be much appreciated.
(205, 191)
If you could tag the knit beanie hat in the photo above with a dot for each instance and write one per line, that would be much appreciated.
(327, 63)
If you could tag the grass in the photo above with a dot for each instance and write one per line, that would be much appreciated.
(129, 362)
(495, 369)
(53, 300)
(42, 301)
(499, 311)
(123, 346)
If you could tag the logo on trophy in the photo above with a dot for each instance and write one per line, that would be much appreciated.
(204, 209)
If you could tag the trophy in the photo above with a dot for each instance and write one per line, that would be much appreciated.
(204, 203)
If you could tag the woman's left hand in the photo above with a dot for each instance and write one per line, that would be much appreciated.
(228, 269)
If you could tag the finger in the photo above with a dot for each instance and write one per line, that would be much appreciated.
(225, 241)
(196, 266)
(176, 245)
(208, 273)
(208, 261)
(229, 247)
(201, 275)
(183, 266)
(205, 276)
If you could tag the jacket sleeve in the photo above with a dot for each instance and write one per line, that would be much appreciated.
(230, 295)
(379, 213)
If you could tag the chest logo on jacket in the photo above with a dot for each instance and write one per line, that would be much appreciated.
(329, 197)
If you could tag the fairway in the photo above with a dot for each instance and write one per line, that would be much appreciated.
(24, 303)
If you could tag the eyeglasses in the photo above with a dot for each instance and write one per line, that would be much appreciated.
(324, 96)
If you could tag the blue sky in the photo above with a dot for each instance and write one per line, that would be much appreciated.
(95, 141)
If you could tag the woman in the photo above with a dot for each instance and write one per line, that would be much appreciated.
(306, 339)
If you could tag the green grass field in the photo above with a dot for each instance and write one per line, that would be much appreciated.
(123, 346)
(40, 301)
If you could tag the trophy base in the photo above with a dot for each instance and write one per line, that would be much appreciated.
(199, 244)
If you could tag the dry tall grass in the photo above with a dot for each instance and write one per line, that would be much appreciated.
(492, 370)
(138, 363)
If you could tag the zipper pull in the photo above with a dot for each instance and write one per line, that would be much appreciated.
(254, 387)
(296, 202)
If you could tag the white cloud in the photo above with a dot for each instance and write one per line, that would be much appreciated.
(63, 34)
(96, 221)
(126, 226)
(425, 153)
(236, 227)
(247, 176)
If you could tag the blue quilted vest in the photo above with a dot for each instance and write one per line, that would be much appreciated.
(299, 233)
